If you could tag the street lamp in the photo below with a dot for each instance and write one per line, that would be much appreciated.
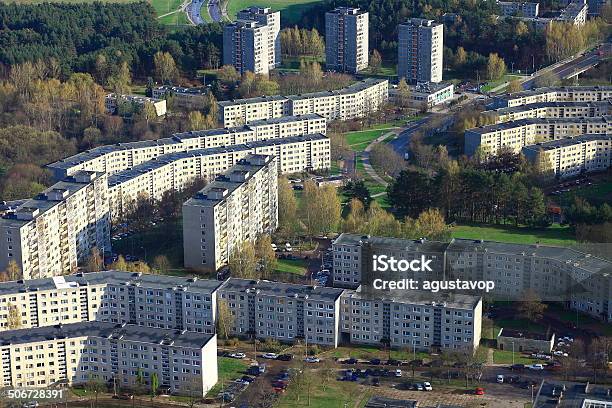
(513, 353)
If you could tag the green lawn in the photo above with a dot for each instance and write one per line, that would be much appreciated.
(294, 266)
(291, 10)
(596, 194)
(505, 357)
(554, 235)
(165, 6)
(359, 140)
(492, 84)
(334, 394)
(229, 369)
(178, 18)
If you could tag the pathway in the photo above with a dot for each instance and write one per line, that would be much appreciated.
(365, 158)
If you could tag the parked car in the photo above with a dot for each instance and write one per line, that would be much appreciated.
(499, 379)
(285, 357)
(517, 367)
(398, 373)
(375, 361)
(351, 361)
(123, 396)
(312, 359)
(270, 356)
(237, 355)
(419, 387)
(479, 391)
(536, 367)
(427, 386)
(376, 382)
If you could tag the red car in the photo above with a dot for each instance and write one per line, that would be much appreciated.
(479, 391)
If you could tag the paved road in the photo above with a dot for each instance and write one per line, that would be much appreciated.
(214, 10)
(566, 70)
(400, 143)
(194, 10)
(365, 158)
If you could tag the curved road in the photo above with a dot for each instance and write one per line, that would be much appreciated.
(194, 9)
(214, 10)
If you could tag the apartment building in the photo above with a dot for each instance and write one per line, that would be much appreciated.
(56, 230)
(595, 6)
(354, 101)
(551, 110)
(346, 39)
(175, 171)
(516, 8)
(182, 97)
(40, 357)
(573, 156)
(152, 301)
(354, 257)
(426, 95)
(577, 278)
(238, 206)
(265, 16)
(127, 105)
(119, 157)
(419, 51)
(576, 13)
(519, 133)
(553, 94)
(411, 320)
(246, 46)
(283, 311)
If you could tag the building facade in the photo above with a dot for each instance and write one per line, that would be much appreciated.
(184, 362)
(265, 16)
(516, 8)
(346, 40)
(236, 207)
(551, 110)
(553, 94)
(419, 51)
(283, 311)
(489, 139)
(573, 156)
(413, 321)
(246, 46)
(354, 101)
(125, 105)
(55, 231)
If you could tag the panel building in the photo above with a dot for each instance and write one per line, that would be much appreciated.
(264, 15)
(573, 156)
(412, 320)
(419, 50)
(354, 101)
(153, 301)
(237, 206)
(518, 8)
(55, 231)
(550, 110)
(346, 39)
(283, 311)
(246, 46)
(184, 362)
(553, 94)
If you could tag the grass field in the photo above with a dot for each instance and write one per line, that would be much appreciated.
(165, 6)
(295, 266)
(555, 235)
(291, 10)
(229, 369)
(178, 18)
(505, 357)
(334, 394)
(492, 84)
(597, 194)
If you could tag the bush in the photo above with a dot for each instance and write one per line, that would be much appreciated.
(270, 346)
(314, 350)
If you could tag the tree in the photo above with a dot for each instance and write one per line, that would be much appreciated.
(95, 262)
(321, 208)
(460, 57)
(225, 319)
(265, 256)
(165, 67)
(228, 74)
(431, 225)
(242, 262)
(496, 67)
(357, 189)
(287, 205)
(119, 264)
(514, 86)
(12, 271)
(531, 306)
(375, 62)
(154, 385)
(403, 93)
(14, 317)
(120, 82)
(161, 265)
(548, 78)
(196, 120)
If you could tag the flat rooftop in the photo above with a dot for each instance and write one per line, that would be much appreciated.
(570, 141)
(399, 244)
(280, 289)
(538, 121)
(106, 331)
(114, 278)
(415, 297)
(542, 105)
(574, 395)
(560, 89)
(519, 334)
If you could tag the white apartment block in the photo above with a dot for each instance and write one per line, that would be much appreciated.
(56, 230)
(284, 312)
(354, 101)
(576, 13)
(516, 8)
(577, 278)
(551, 110)
(264, 15)
(419, 51)
(236, 207)
(347, 39)
(246, 46)
(41, 357)
(152, 301)
(113, 102)
(119, 157)
(412, 320)
(573, 157)
(524, 132)
(176, 170)
(555, 94)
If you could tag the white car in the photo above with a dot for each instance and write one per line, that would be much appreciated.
(537, 367)
(274, 247)
(238, 355)
(398, 373)
(500, 379)
(270, 356)
(312, 359)
(427, 386)
(560, 353)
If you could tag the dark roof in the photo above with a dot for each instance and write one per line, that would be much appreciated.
(520, 334)
(270, 288)
(573, 396)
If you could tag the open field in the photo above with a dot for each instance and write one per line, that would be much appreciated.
(596, 194)
(229, 369)
(294, 266)
(492, 84)
(505, 357)
(291, 10)
(178, 18)
(165, 6)
(554, 235)
(330, 395)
